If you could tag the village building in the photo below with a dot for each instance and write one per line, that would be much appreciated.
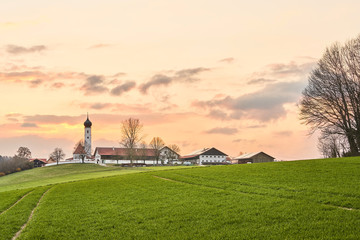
(255, 157)
(206, 156)
(40, 162)
(140, 156)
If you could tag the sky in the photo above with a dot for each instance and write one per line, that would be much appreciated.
(200, 73)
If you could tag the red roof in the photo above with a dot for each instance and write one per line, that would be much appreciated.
(79, 149)
(123, 151)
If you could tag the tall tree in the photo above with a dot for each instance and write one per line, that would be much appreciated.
(331, 101)
(58, 154)
(157, 144)
(24, 152)
(131, 135)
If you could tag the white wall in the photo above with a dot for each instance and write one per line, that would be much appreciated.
(212, 159)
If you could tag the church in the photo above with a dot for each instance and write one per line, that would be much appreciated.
(112, 155)
(83, 151)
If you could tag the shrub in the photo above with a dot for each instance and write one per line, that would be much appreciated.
(2, 174)
(18, 169)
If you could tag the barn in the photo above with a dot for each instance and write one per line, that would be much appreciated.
(255, 157)
(38, 162)
(142, 156)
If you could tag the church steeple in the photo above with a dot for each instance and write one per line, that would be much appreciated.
(87, 137)
(87, 123)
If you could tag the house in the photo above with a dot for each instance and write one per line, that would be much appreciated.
(141, 156)
(255, 157)
(38, 162)
(206, 156)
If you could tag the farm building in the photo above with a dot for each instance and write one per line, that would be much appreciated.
(144, 156)
(40, 162)
(206, 156)
(256, 157)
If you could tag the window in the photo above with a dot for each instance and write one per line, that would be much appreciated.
(87, 137)
(87, 131)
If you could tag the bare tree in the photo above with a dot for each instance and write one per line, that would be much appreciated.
(82, 150)
(58, 154)
(24, 152)
(331, 101)
(131, 135)
(332, 146)
(142, 151)
(157, 144)
(173, 153)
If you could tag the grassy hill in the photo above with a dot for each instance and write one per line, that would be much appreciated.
(317, 199)
(64, 173)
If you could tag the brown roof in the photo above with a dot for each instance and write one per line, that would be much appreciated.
(44, 160)
(123, 151)
(79, 149)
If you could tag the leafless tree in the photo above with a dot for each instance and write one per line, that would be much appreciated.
(332, 146)
(24, 152)
(131, 135)
(174, 152)
(82, 150)
(58, 154)
(142, 151)
(331, 101)
(157, 144)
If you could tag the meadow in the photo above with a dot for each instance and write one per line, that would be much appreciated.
(317, 199)
(66, 173)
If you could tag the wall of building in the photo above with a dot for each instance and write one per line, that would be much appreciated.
(212, 158)
(262, 158)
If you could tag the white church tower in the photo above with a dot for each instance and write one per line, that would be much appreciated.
(87, 138)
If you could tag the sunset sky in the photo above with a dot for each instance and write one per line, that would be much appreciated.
(199, 73)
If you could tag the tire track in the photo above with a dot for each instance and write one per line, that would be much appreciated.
(30, 217)
(16, 202)
(259, 194)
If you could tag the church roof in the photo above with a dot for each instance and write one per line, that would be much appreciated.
(79, 149)
(113, 151)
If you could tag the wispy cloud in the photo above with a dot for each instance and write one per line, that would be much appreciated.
(29, 125)
(35, 83)
(94, 85)
(100, 45)
(119, 90)
(260, 81)
(283, 134)
(15, 49)
(57, 85)
(227, 60)
(224, 131)
(185, 75)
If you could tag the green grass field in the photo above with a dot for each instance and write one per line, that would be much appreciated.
(66, 173)
(317, 199)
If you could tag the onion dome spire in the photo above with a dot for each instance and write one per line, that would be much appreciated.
(87, 123)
